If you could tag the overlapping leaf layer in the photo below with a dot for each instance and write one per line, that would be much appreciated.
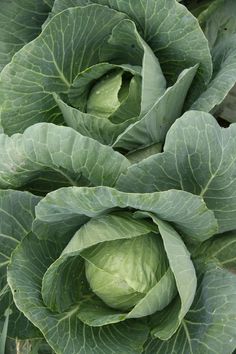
(117, 197)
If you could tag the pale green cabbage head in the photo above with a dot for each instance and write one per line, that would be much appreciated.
(122, 272)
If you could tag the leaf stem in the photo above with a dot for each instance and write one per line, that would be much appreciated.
(3, 336)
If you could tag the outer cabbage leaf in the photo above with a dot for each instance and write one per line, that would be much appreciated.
(198, 157)
(73, 206)
(46, 147)
(214, 306)
(209, 326)
(20, 22)
(224, 77)
(218, 20)
(17, 214)
(222, 250)
(219, 24)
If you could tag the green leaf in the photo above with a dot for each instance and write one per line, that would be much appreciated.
(28, 265)
(141, 154)
(61, 5)
(48, 147)
(209, 326)
(219, 25)
(198, 157)
(48, 180)
(180, 263)
(221, 249)
(134, 50)
(157, 298)
(3, 335)
(63, 283)
(20, 22)
(95, 313)
(18, 326)
(97, 128)
(16, 214)
(166, 323)
(72, 206)
(199, 8)
(61, 293)
(153, 126)
(130, 106)
(218, 20)
(224, 77)
(154, 83)
(118, 225)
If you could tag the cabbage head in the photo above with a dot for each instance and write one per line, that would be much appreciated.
(123, 272)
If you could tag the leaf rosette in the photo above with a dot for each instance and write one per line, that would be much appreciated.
(117, 72)
(118, 260)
